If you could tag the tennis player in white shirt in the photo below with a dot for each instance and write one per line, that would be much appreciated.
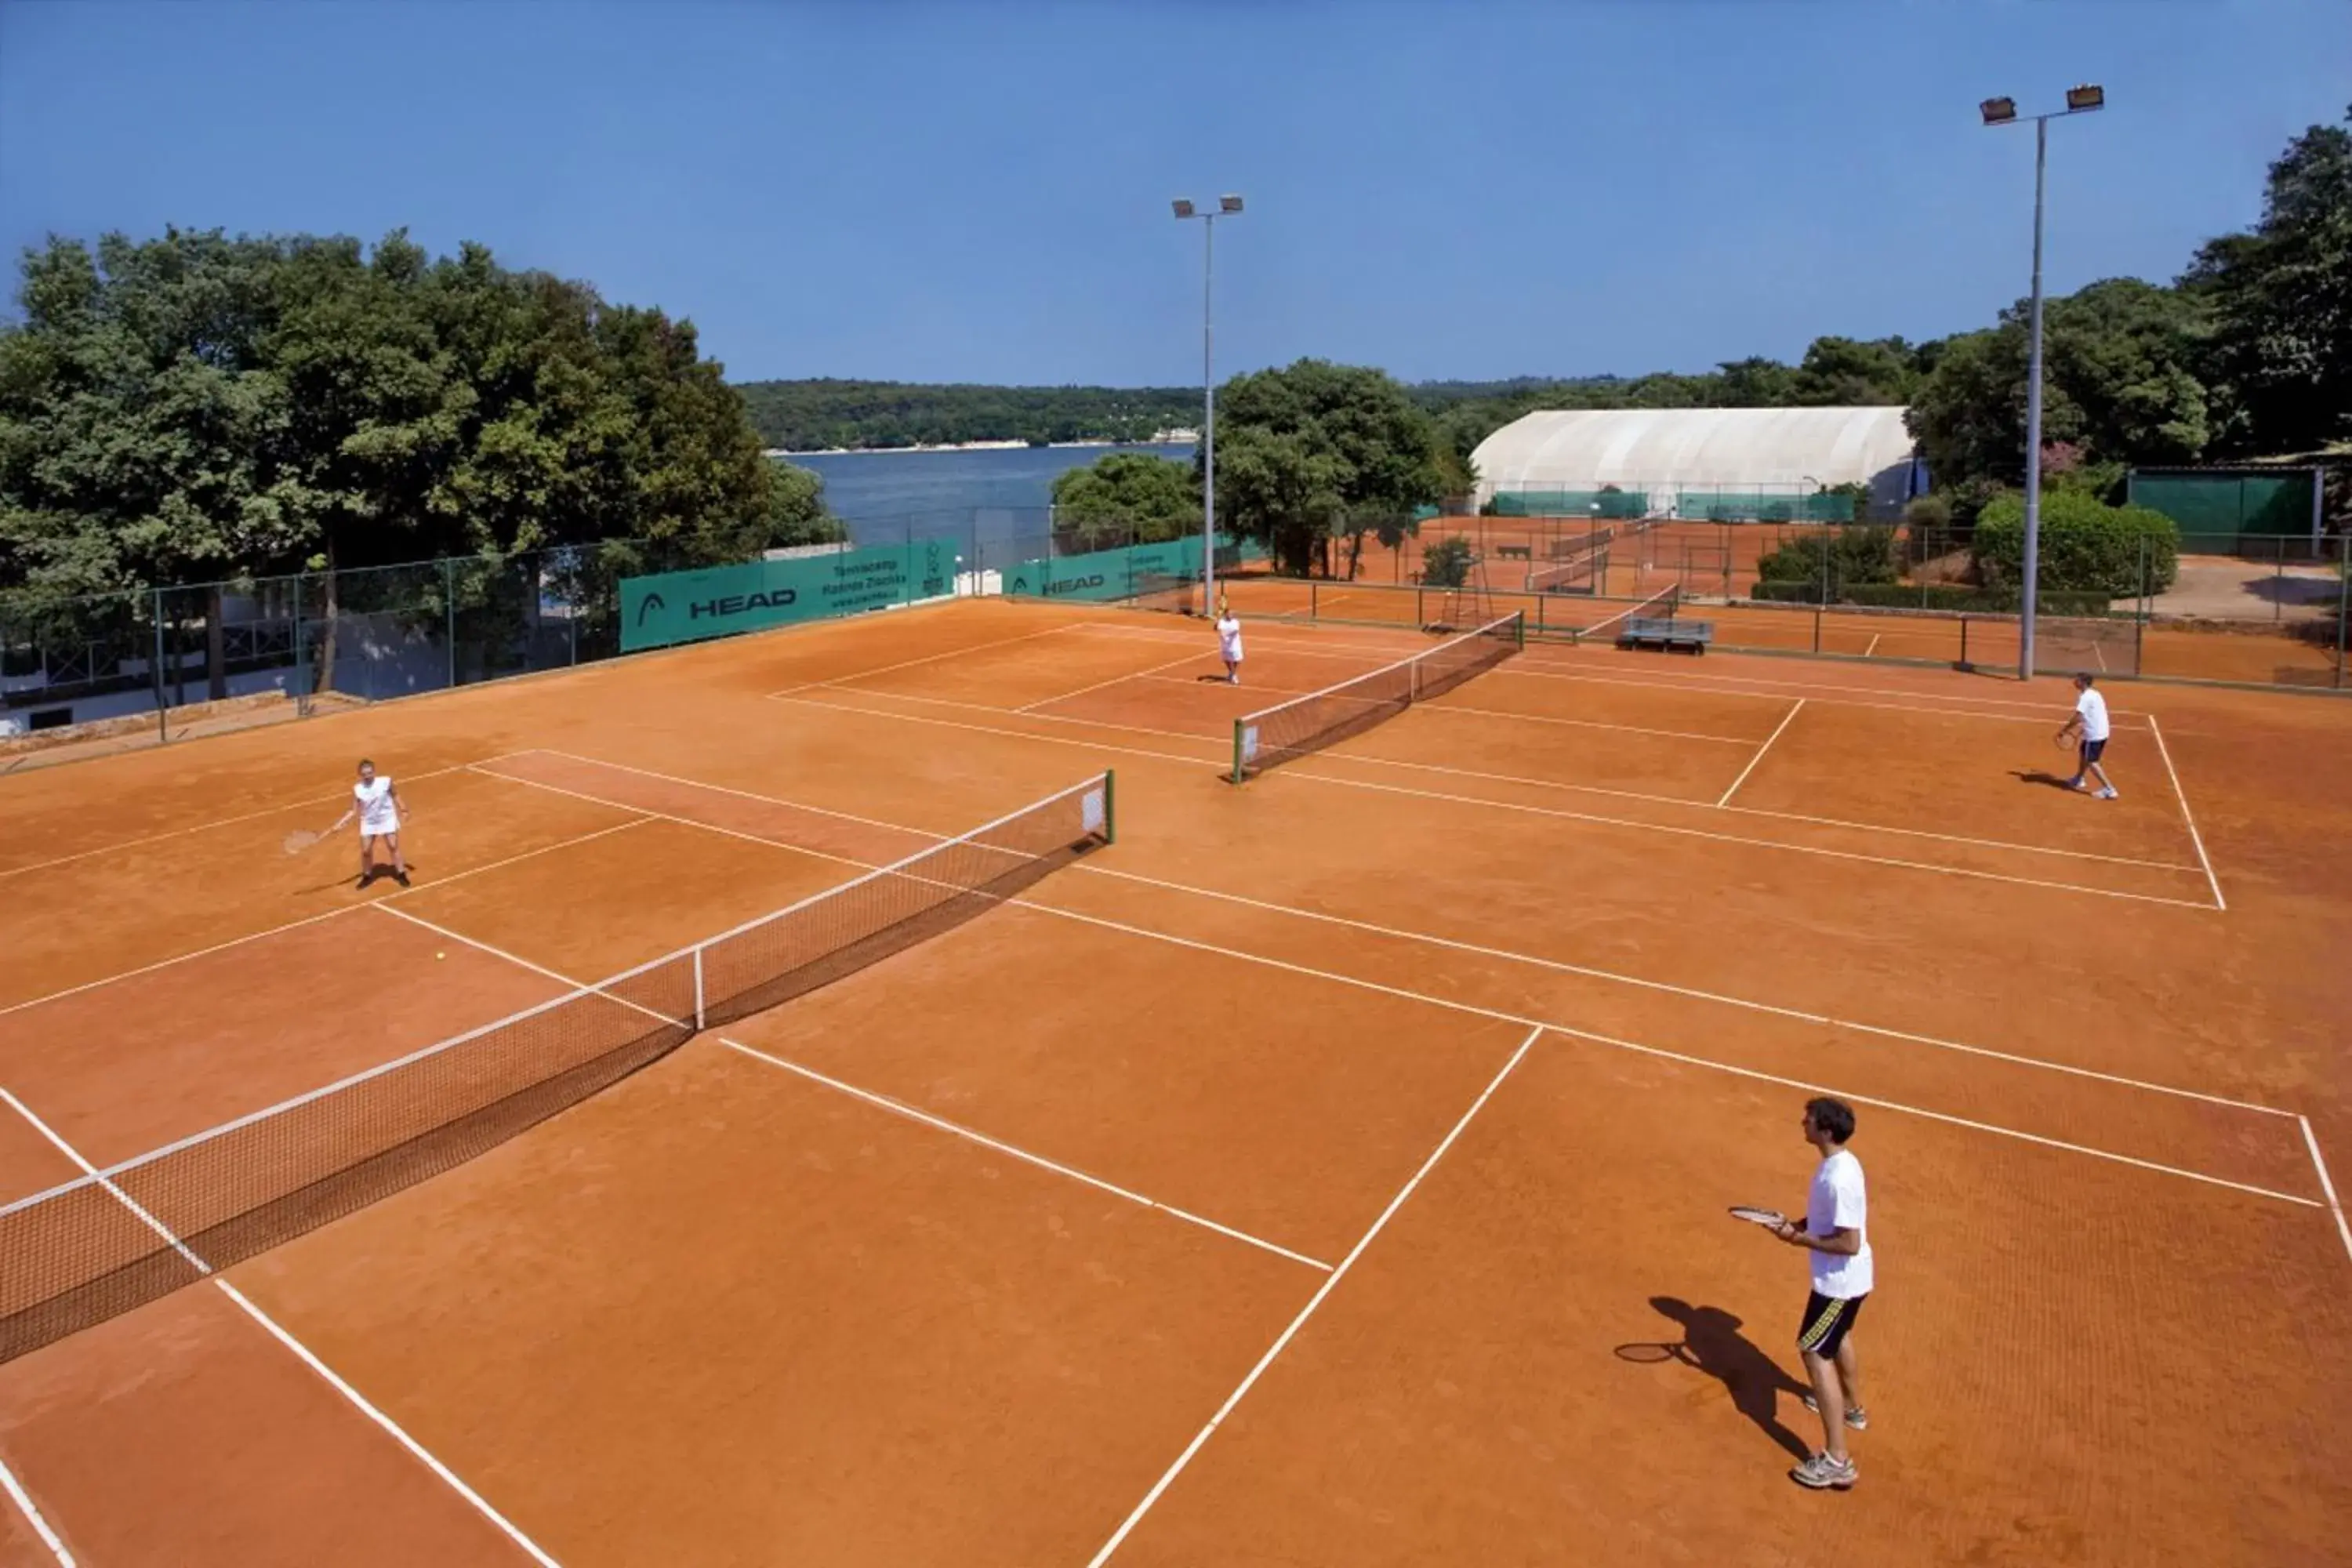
(377, 806)
(1836, 1230)
(2089, 721)
(1228, 644)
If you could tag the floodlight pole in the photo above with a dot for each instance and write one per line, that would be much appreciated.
(2032, 568)
(2003, 111)
(1226, 207)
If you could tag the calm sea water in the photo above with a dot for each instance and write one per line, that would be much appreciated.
(1000, 493)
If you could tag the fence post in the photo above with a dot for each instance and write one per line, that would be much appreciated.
(2342, 605)
(449, 613)
(163, 725)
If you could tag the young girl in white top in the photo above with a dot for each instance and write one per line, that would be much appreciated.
(377, 806)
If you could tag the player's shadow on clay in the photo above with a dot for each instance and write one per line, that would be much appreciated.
(1712, 1343)
(2036, 776)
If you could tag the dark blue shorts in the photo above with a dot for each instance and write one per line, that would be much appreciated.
(1827, 1319)
(2093, 750)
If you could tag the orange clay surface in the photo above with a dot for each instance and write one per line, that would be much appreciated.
(1331, 1171)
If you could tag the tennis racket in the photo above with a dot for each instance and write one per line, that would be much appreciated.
(1755, 1216)
(301, 838)
(2063, 740)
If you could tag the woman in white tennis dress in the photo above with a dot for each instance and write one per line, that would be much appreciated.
(1229, 645)
(377, 806)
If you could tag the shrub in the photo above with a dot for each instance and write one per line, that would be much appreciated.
(2087, 545)
(1946, 596)
(1446, 563)
(1852, 555)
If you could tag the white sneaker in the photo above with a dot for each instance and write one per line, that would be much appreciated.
(2109, 792)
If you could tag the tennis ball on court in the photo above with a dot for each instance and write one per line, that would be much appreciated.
(440, 955)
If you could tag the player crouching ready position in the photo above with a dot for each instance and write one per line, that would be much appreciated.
(377, 806)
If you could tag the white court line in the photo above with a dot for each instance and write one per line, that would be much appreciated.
(1090, 868)
(1725, 798)
(926, 658)
(1751, 843)
(1922, 704)
(2003, 844)
(1551, 661)
(417, 1450)
(1662, 1054)
(1169, 1475)
(2181, 795)
(23, 1501)
(213, 822)
(900, 1107)
(1114, 680)
(880, 1100)
(1442, 706)
(1693, 992)
(2311, 1141)
(1873, 648)
(1611, 1040)
(1303, 774)
(642, 816)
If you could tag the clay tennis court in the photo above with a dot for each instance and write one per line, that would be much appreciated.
(1330, 1168)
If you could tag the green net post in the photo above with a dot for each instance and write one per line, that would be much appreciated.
(1237, 750)
(1110, 805)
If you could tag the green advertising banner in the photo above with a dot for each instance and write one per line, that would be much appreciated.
(1109, 574)
(719, 601)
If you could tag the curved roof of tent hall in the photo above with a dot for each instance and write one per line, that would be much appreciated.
(1806, 448)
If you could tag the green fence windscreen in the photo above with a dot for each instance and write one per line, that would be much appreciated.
(718, 601)
(2266, 505)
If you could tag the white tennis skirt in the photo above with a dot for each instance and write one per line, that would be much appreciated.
(377, 826)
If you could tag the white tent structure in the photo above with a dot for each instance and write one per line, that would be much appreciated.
(1706, 452)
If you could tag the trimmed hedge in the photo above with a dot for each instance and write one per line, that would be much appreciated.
(2087, 545)
(1934, 597)
(1855, 555)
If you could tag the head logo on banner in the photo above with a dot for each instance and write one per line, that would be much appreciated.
(719, 601)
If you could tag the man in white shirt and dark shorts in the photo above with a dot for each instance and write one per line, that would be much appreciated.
(1836, 1230)
(377, 806)
(2090, 721)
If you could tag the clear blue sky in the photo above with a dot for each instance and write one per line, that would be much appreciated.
(978, 191)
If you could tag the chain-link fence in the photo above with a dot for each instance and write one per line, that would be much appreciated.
(1738, 502)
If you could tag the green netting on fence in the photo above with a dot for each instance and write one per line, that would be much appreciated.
(2263, 505)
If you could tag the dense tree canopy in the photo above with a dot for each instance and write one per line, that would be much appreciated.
(199, 406)
(2280, 303)
(819, 415)
(1125, 498)
(1319, 451)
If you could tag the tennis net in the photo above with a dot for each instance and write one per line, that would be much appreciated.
(1275, 735)
(1658, 607)
(113, 1239)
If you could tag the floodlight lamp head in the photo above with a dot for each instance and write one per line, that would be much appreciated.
(1183, 208)
(1998, 111)
(1229, 204)
(2084, 99)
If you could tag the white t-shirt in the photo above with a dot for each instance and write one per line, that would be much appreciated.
(1229, 638)
(2092, 708)
(1838, 1203)
(377, 813)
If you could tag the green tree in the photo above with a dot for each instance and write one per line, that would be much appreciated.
(1847, 372)
(2280, 301)
(1124, 497)
(2088, 545)
(2119, 386)
(1319, 451)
